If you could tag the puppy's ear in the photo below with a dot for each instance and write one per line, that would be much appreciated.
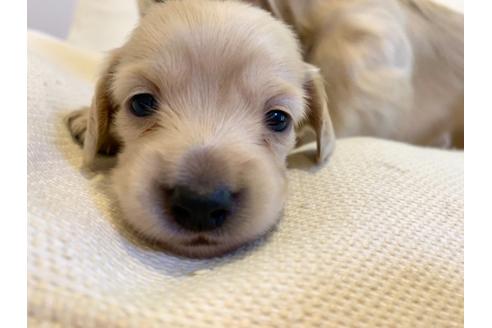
(295, 13)
(279, 9)
(265, 4)
(318, 115)
(98, 137)
(145, 5)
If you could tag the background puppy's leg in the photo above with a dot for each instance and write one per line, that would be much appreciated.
(458, 134)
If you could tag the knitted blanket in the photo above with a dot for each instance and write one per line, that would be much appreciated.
(374, 239)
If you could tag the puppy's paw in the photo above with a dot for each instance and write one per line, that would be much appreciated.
(77, 124)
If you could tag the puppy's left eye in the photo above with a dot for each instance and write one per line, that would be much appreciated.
(142, 105)
(277, 120)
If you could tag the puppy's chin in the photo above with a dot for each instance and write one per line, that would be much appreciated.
(202, 250)
(203, 246)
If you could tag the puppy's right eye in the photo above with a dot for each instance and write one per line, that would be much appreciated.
(277, 120)
(142, 105)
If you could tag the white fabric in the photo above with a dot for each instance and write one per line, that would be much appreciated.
(373, 240)
(102, 25)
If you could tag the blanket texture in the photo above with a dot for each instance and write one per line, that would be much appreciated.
(375, 239)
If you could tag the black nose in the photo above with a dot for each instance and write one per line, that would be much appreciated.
(197, 212)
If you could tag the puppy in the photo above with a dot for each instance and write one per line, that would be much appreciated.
(201, 105)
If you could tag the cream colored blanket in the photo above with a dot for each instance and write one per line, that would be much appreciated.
(375, 239)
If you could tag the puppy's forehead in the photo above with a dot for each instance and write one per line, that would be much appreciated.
(203, 24)
(221, 44)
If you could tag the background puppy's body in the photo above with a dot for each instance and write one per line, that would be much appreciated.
(393, 69)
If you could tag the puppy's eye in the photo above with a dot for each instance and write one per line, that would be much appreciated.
(277, 120)
(142, 105)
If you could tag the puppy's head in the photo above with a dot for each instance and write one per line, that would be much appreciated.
(204, 98)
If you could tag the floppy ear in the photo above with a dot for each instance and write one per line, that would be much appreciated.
(145, 5)
(265, 4)
(99, 136)
(318, 115)
(279, 9)
(295, 13)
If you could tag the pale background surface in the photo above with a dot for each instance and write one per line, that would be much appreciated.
(112, 19)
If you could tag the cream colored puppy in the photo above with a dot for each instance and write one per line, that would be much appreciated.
(201, 104)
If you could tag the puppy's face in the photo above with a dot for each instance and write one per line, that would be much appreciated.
(204, 98)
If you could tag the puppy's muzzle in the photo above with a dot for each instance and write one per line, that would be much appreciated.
(198, 212)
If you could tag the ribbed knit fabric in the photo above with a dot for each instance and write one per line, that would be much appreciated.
(375, 239)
